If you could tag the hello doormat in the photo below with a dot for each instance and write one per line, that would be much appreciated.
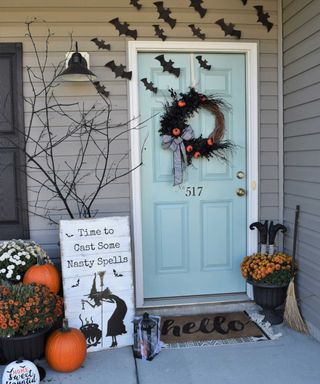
(210, 329)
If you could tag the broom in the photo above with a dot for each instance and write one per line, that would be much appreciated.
(292, 314)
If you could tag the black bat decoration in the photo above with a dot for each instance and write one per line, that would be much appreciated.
(164, 13)
(101, 89)
(76, 285)
(69, 235)
(244, 2)
(197, 32)
(263, 17)
(117, 274)
(118, 70)
(203, 63)
(149, 85)
(123, 28)
(136, 4)
(159, 32)
(168, 66)
(196, 4)
(101, 44)
(228, 28)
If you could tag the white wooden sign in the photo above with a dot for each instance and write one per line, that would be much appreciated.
(97, 280)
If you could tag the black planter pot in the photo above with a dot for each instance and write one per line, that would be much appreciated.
(270, 297)
(28, 347)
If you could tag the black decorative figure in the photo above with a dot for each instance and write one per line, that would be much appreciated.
(273, 230)
(117, 274)
(123, 28)
(203, 63)
(115, 323)
(101, 89)
(149, 85)
(101, 44)
(92, 332)
(263, 17)
(118, 70)
(197, 32)
(76, 284)
(159, 32)
(263, 234)
(164, 13)
(136, 4)
(228, 28)
(168, 66)
(196, 4)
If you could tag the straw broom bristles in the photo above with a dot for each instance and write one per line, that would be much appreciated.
(292, 314)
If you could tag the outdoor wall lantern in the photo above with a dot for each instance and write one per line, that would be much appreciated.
(77, 67)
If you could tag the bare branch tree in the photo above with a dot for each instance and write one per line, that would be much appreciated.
(85, 130)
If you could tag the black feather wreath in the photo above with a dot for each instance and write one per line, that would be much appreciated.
(175, 120)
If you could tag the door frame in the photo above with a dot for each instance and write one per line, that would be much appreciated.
(251, 53)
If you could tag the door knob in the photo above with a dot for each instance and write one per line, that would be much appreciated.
(240, 192)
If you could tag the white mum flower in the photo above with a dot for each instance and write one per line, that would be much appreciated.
(3, 270)
(18, 277)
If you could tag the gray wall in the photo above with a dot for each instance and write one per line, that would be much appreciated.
(301, 57)
(89, 19)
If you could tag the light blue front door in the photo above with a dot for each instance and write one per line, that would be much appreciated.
(194, 235)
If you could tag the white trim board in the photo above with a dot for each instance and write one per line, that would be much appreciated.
(251, 52)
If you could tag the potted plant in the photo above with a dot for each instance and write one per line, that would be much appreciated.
(27, 312)
(270, 276)
(17, 256)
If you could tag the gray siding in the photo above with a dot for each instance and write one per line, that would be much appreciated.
(90, 19)
(301, 43)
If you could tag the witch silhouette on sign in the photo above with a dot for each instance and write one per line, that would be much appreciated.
(115, 323)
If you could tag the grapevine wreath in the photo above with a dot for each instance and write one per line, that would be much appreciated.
(178, 135)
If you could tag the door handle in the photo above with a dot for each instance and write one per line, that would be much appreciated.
(240, 192)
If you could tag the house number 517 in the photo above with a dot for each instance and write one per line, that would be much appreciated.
(193, 191)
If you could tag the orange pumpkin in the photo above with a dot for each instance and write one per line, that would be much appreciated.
(46, 274)
(66, 349)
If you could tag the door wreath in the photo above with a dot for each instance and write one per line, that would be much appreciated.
(177, 135)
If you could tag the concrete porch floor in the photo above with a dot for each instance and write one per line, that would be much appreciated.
(294, 359)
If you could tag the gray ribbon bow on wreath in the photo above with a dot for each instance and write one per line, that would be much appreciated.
(179, 152)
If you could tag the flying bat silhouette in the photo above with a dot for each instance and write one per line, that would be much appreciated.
(244, 2)
(196, 4)
(164, 13)
(197, 32)
(149, 85)
(123, 28)
(203, 63)
(228, 28)
(263, 17)
(101, 44)
(118, 70)
(101, 89)
(168, 66)
(76, 285)
(117, 274)
(69, 235)
(159, 32)
(136, 4)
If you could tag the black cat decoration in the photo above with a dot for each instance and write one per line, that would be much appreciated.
(168, 66)
(149, 85)
(123, 28)
(118, 70)
(228, 28)
(197, 32)
(263, 17)
(164, 13)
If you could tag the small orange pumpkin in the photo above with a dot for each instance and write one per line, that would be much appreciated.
(196, 155)
(176, 131)
(189, 148)
(66, 349)
(181, 103)
(46, 274)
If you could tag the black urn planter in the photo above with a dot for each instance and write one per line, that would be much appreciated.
(29, 347)
(270, 297)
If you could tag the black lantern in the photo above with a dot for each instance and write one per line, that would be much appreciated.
(147, 342)
(77, 69)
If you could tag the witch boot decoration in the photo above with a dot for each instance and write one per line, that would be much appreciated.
(273, 230)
